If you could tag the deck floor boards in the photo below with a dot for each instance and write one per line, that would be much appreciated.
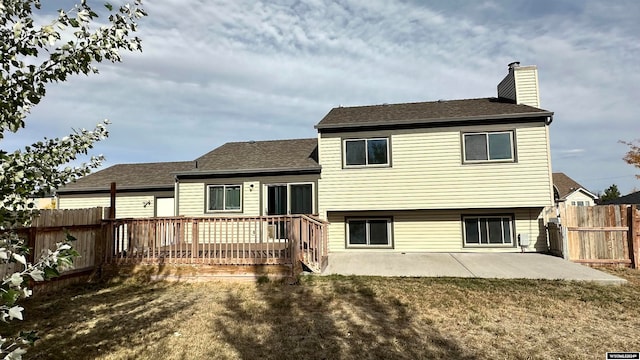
(212, 253)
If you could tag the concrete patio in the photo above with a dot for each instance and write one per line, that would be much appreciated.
(469, 265)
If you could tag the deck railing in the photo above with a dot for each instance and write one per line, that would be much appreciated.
(219, 241)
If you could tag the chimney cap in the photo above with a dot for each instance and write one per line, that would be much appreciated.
(514, 64)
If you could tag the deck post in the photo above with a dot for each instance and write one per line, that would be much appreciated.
(294, 245)
(112, 196)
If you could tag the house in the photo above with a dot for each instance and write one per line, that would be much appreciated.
(570, 192)
(460, 175)
(631, 199)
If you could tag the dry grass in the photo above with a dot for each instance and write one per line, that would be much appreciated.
(338, 317)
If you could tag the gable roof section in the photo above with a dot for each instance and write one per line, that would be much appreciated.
(259, 157)
(567, 186)
(633, 199)
(434, 113)
(129, 176)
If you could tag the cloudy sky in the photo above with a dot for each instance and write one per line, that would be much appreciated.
(215, 71)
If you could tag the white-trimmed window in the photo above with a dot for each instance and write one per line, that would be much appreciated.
(369, 232)
(490, 230)
(366, 152)
(224, 197)
(488, 146)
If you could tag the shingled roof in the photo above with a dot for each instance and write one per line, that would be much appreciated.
(633, 199)
(433, 112)
(566, 185)
(260, 156)
(130, 176)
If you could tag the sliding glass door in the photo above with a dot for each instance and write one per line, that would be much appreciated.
(289, 199)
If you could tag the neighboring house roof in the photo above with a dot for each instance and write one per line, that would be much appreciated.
(130, 176)
(633, 199)
(429, 113)
(259, 157)
(567, 186)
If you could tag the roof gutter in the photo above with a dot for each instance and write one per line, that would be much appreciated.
(120, 189)
(441, 121)
(245, 172)
(549, 119)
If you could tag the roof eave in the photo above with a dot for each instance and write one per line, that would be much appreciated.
(537, 114)
(158, 187)
(244, 172)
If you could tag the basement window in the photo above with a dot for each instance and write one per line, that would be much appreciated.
(487, 231)
(369, 233)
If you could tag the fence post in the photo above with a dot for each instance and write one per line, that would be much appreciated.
(634, 239)
(102, 242)
(565, 241)
(31, 244)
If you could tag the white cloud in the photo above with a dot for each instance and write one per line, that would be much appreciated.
(218, 71)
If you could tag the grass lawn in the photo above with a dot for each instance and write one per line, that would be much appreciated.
(337, 318)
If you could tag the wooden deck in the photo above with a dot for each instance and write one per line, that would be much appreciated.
(265, 240)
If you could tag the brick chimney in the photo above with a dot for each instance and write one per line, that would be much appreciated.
(520, 85)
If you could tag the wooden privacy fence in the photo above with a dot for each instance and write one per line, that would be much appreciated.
(603, 234)
(272, 240)
(50, 227)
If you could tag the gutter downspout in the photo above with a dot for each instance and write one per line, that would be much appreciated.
(176, 196)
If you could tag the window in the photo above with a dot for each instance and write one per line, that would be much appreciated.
(369, 232)
(488, 230)
(223, 198)
(488, 146)
(366, 152)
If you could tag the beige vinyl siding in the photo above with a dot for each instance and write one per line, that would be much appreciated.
(190, 199)
(192, 194)
(526, 79)
(427, 173)
(131, 205)
(439, 230)
(83, 201)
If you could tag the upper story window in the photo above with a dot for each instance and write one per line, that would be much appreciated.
(366, 152)
(223, 198)
(488, 146)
